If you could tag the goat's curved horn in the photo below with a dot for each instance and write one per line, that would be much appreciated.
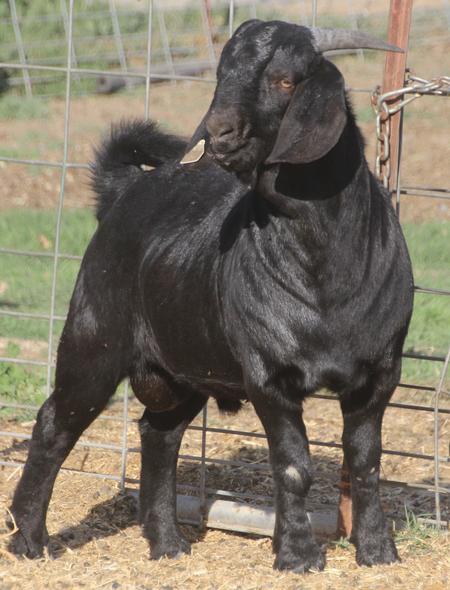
(328, 39)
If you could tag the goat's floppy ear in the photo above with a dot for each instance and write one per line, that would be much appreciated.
(314, 119)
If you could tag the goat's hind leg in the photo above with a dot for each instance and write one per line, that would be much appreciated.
(85, 380)
(363, 414)
(161, 435)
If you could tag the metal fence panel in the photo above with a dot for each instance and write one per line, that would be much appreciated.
(148, 56)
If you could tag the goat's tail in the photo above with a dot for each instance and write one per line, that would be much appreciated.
(120, 158)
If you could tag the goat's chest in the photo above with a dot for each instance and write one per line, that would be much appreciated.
(287, 340)
(258, 304)
(284, 322)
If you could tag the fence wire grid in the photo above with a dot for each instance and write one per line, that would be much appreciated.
(161, 42)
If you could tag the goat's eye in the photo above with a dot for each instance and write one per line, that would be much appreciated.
(286, 84)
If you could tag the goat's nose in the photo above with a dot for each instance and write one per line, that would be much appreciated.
(220, 125)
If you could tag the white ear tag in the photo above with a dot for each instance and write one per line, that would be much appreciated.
(195, 154)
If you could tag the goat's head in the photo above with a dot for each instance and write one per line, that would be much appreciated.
(277, 98)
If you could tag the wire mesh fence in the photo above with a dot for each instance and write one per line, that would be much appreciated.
(112, 36)
(77, 48)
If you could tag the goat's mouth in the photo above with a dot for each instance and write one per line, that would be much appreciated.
(224, 156)
(240, 158)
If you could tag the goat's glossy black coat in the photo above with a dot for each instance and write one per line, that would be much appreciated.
(197, 271)
(268, 285)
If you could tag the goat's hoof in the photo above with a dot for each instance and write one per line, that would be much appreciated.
(311, 558)
(382, 551)
(26, 543)
(174, 548)
(24, 546)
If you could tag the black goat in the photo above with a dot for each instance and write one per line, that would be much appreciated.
(269, 269)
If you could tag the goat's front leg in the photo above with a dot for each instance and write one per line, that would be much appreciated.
(161, 435)
(293, 542)
(362, 448)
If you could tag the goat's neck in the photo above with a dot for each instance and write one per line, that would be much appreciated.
(330, 211)
(323, 195)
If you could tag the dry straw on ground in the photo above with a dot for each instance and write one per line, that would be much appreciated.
(98, 544)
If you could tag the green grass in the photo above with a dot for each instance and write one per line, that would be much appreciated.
(26, 286)
(342, 543)
(44, 35)
(35, 231)
(21, 385)
(25, 108)
(412, 536)
(429, 330)
(415, 537)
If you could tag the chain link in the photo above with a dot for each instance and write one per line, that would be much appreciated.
(388, 104)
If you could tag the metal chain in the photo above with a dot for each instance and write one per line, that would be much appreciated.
(387, 104)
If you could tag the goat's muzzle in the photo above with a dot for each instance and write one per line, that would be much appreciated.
(228, 134)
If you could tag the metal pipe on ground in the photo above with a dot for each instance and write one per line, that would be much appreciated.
(243, 518)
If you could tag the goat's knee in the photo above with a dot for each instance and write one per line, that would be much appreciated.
(53, 432)
(295, 476)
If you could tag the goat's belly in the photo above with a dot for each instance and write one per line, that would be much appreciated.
(222, 391)
(191, 351)
(191, 347)
(160, 393)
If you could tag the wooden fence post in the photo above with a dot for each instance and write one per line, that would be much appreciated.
(344, 527)
(394, 77)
